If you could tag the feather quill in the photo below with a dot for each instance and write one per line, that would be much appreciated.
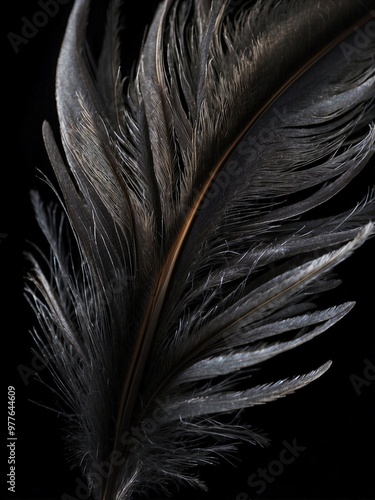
(196, 198)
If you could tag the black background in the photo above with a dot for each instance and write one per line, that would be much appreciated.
(329, 418)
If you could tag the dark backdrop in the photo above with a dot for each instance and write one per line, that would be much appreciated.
(332, 421)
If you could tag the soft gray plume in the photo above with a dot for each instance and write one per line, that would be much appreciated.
(197, 227)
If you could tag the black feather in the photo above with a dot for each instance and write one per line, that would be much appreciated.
(199, 199)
